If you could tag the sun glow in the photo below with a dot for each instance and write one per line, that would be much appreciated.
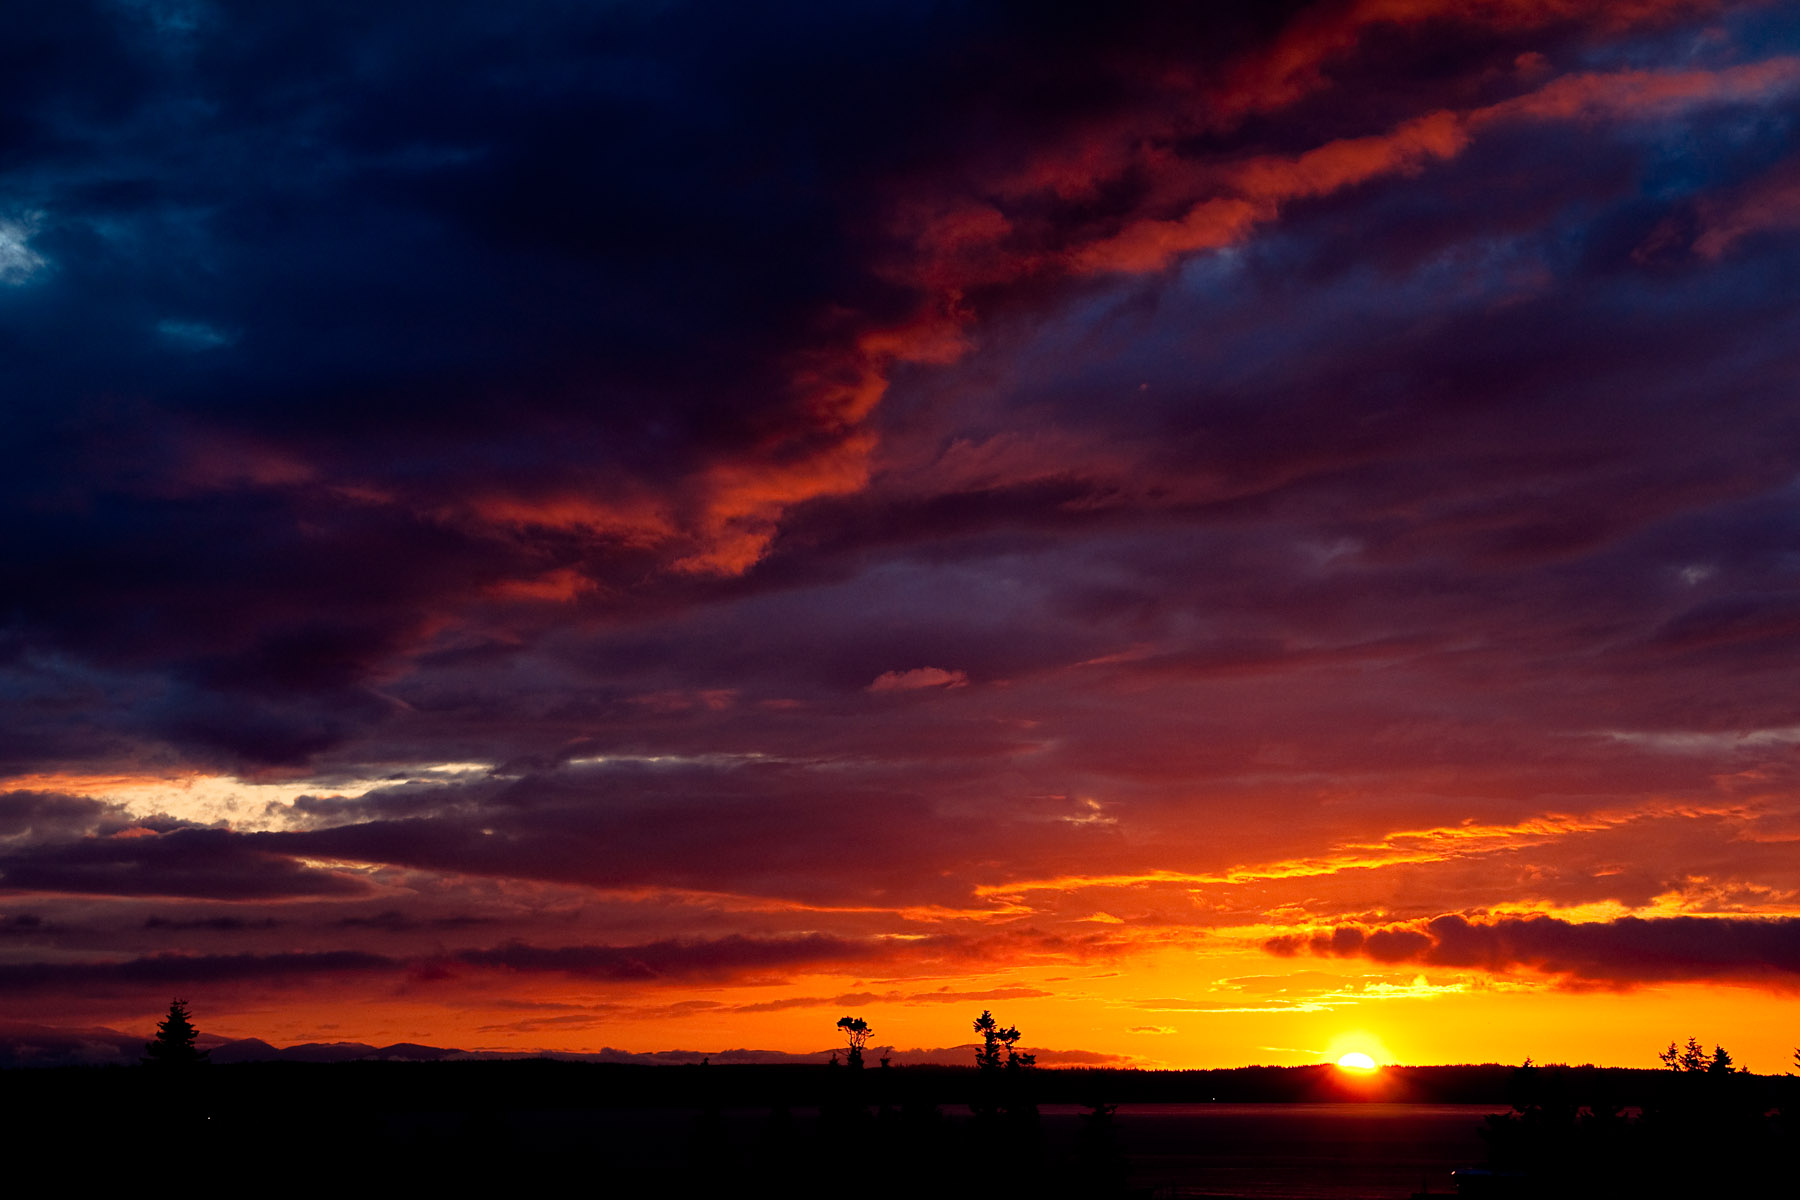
(1356, 1060)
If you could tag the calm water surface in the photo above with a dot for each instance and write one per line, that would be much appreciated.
(1368, 1151)
(1298, 1151)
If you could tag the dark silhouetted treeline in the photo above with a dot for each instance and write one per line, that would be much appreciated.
(811, 1130)
(1686, 1132)
(429, 1086)
(538, 1124)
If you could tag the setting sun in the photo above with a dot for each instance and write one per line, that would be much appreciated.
(1356, 1060)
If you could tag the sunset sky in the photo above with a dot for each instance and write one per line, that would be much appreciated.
(1221, 532)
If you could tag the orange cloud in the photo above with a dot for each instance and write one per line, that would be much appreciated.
(1251, 192)
(742, 501)
(555, 587)
(920, 677)
(635, 521)
(1398, 848)
(1290, 69)
(1258, 187)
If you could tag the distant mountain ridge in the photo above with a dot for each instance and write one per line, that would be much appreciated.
(27, 1045)
(257, 1050)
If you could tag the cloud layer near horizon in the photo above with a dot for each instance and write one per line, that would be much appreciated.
(1629, 950)
(978, 493)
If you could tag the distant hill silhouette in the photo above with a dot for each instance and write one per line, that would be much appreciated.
(245, 1050)
(257, 1050)
(27, 1045)
(30, 1045)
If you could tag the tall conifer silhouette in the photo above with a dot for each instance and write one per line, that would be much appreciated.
(174, 1041)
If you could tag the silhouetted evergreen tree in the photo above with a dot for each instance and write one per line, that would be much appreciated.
(173, 1045)
(1006, 1118)
(1692, 1059)
(997, 1039)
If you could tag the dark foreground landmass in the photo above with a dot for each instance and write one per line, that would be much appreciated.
(540, 1127)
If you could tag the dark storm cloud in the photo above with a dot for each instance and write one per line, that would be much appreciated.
(224, 924)
(206, 863)
(483, 298)
(672, 959)
(47, 816)
(668, 960)
(1622, 952)
(179, 970)
(440, 261)
(395, 921)
(779, 829)
(434, 241)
